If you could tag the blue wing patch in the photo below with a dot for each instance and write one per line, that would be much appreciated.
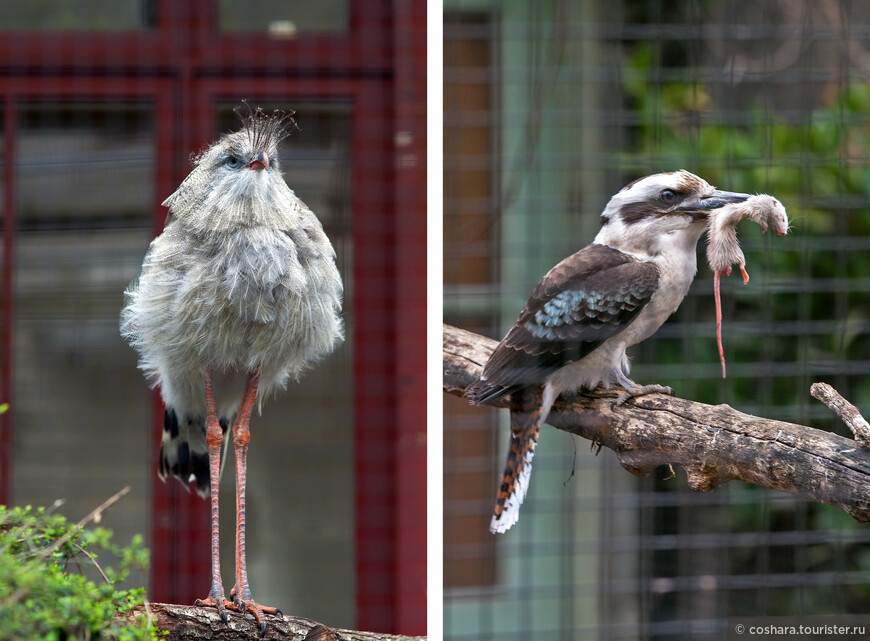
(572, 307)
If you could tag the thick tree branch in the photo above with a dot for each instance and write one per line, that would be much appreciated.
(714, 444)
(188, 622)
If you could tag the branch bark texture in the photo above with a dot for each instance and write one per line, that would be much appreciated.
(188, 622)
(713, 443)
(847, 412)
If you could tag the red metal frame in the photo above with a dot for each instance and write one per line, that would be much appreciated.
(180, 537)
(410, 221)
(186, 66)
(8, 301)
(186, 34)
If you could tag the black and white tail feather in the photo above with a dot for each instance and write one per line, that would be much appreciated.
(184, 450)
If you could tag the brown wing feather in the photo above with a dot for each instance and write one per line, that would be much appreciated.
(580, 303)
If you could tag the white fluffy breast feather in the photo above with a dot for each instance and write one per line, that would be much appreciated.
(261, 292)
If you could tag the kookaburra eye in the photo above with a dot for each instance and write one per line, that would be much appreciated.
(668, 196)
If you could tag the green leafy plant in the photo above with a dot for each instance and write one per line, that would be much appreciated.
(44, 592)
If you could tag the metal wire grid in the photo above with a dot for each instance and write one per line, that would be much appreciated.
(764, 96)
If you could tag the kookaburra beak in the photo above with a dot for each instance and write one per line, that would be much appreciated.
(698, 208)
(260, 161)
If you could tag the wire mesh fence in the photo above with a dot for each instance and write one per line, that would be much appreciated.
(550, 107)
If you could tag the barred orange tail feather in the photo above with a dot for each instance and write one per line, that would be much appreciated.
(526, 417)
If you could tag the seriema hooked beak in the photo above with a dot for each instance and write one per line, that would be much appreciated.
(260, 161)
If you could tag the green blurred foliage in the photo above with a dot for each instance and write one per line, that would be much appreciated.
(44, 594)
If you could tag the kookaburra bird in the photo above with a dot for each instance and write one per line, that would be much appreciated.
(592, 306)
(239, 294)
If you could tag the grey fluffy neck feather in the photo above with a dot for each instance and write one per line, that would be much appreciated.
(216, 198)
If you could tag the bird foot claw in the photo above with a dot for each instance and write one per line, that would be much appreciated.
(218, 602)
(244, 603)
(640, 391)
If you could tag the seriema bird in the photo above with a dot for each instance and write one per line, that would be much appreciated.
(588, 309)
(238, 295)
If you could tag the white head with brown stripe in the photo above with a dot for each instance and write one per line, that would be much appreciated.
(661, 213)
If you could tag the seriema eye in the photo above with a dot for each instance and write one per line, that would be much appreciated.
(232, 162)
(668, 196)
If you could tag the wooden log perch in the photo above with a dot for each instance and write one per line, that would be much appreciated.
(713, 443)
(183, 622)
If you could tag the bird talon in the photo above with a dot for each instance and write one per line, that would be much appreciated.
(215, 602)
(244, 603)
(642, 391)
(620, 400)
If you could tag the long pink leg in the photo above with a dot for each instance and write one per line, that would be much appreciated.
(241, 592)
(214, 436)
